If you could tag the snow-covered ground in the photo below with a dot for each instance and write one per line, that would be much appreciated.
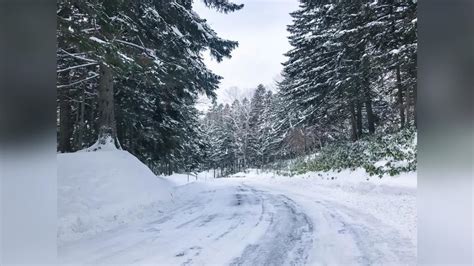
(101, 190)
(249, 219)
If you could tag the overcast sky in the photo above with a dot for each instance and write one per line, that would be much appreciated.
(260, 29)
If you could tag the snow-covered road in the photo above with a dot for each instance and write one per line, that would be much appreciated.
(242, 222)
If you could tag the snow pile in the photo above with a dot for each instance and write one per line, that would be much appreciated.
(98, 191)
(348, 180)
(108, 145)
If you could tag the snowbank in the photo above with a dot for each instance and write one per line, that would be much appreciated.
(358, 180)
(98, 191)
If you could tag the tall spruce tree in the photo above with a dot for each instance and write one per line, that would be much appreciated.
(257, 106)
(341, 50)
(351, 73)
(135, 69)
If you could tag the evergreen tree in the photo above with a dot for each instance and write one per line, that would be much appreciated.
(351, 72)
(340, 52)
(257, 106)
(135, 69)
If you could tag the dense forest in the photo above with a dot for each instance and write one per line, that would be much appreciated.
(350, 76)
(130, 72)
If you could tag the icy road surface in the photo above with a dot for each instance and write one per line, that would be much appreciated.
(241, 222)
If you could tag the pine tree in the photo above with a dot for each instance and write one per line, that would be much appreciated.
(146, 55)
(351, 72)
(266, 129)
(351, 64)
(257, 106)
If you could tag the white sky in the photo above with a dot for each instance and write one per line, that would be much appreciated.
(260, 29)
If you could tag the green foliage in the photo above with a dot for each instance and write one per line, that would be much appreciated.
(378, 155)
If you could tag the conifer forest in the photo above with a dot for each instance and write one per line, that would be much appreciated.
(167, 156)
(131, 72)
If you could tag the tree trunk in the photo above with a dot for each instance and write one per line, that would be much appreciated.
(359, 119)
(368, 97)
(80, 121)
(107, 128)
(370, 115)
(303, 133)
(65, 123)
(400, 98)
(408, 103)
(353, 123)
(131, 138)
(80, 135)
(414, 106)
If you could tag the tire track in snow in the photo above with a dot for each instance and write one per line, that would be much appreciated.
(377, 243)
(288, 238)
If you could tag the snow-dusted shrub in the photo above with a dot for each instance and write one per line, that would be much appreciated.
(378, 155)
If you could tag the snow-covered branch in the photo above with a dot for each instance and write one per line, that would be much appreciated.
(78, 66)
(78, 57)
(77, 82)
